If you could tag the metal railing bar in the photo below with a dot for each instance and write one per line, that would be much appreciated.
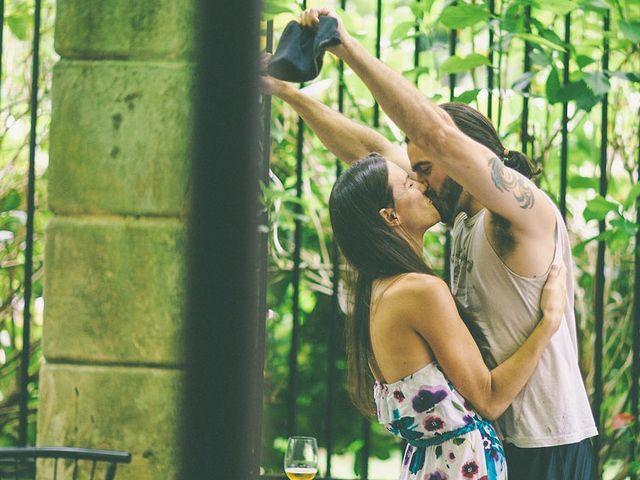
(492, 11)
(416, 47)
(1, 37)
(262, 262)
(28, 263)
(524, 133)
(453, 45)
(635, 365)
(295, 280)
(600, 259)
(564, 148)
(365, 452)
(376, 107)
(335, 301)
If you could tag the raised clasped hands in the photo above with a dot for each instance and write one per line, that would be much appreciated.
(311, 18)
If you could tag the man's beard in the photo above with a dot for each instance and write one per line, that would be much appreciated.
(447, 200)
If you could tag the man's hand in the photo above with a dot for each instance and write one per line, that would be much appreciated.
(311, 18)
(268, 84)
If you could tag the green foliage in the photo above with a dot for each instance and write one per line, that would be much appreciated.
(461, 16)
(14, 152)
(430, 22)
(456, 64)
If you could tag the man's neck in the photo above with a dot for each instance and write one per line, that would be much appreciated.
(467, 204)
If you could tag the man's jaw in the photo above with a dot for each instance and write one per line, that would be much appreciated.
(449, 202)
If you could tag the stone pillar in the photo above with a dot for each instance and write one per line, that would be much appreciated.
(120, 139)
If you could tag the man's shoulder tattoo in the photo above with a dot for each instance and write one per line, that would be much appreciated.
(506, 180)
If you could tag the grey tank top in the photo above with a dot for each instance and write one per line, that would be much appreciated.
(553, 408)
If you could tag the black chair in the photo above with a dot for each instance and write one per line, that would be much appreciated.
(19, 463)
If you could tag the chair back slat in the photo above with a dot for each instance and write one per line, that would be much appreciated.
(22, 460)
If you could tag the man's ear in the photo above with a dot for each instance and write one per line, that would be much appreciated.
(389, 216)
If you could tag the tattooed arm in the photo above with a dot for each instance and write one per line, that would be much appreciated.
(502, 190)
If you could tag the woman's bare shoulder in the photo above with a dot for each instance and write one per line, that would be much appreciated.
(415, 288)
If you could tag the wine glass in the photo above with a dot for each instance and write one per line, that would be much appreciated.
(301, 458)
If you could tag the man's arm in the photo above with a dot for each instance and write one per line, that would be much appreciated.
(345, 138)
(502, 190)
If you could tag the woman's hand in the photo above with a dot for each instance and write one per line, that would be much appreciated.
(311, 18)
(554, 298)
(269, 85)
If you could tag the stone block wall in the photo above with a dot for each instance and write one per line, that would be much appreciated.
(118, 185)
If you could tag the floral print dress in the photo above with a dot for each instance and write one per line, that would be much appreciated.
(446, 439)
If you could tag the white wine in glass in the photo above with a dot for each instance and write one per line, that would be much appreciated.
(301, 458)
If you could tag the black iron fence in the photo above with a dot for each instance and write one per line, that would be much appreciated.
(527, 137)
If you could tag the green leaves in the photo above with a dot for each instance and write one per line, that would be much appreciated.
(631, 30)
(468, 96)
(598, 208)
(10, 201)
(632, 197)
(552, 87)
(559, 7)
(461, 16)
(584, 94)
(270, 8)
(401, 30)
(456, 64)
(543, 42)
(597, 82)
(578, 182)
(18, 25)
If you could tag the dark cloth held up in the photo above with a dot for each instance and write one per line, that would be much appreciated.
(300, 51)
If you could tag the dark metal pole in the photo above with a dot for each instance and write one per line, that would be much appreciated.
(564, 148)
(28, 261)
(263, 244)
(599, 283)
(453, 43)
(492, 9)
(295, 281)
(524, 134)
(332, 339)
(222, 375)
(635, 366)
(366, 424)
(1, 37)
(416, 47)
(376, 107)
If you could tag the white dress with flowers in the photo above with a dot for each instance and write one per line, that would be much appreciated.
(445, 438)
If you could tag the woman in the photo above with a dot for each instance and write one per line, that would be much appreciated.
(406, 339)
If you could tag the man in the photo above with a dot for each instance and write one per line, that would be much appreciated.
(506, 235)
